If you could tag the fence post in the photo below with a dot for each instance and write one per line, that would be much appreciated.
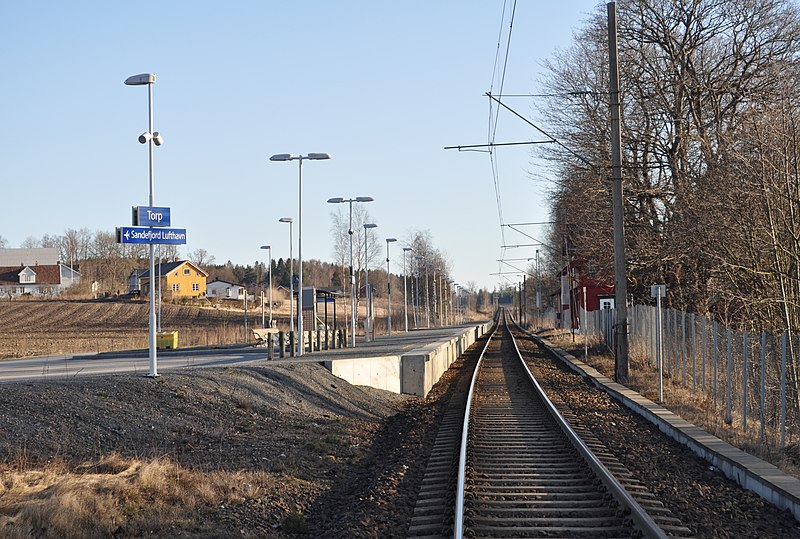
(763, 383)
(783, 390)
(282, 344)
(694, 363)
(728, 415)
(744, 381)
(716, 330)
(270, 346)
(705, 343)
(667, 347)
(683, 347)
(675, 349)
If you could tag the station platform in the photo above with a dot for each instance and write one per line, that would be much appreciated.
(421, 356)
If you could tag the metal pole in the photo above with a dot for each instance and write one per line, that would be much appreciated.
(427, 303)
(783, 390)
(300, 336)
(291, 280)
(389, 293)
(763, 387)
(660, 351)
(436, 320)
(352, 282)
(270, 287)
(367, 320)
(152, 318)
(620, 277)
(416, 308)
(584, 330)
(405, 289)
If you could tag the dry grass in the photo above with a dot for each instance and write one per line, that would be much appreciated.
(114, 495)
(696, 407)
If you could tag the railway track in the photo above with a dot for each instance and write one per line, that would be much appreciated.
(524, 472)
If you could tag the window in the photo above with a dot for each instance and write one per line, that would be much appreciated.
(228, 292)
(176, 287)
(195, 287)
(186, 271)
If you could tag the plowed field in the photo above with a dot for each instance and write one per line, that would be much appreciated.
(33, 328)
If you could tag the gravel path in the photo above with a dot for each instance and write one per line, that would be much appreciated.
(702, 497)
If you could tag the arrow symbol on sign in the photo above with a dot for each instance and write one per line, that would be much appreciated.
(127, 234)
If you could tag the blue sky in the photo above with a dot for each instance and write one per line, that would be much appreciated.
(383, 87)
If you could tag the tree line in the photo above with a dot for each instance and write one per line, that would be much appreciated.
(711, 153)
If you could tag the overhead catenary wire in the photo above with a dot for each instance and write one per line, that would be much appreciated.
(494, 115)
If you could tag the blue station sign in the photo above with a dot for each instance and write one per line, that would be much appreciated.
(151, 216)
(151, 236)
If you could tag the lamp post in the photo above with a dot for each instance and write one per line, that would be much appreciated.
(456, 304)
(417, 313)
(291, 273)
(405, 286)
(368, 318)
(299, 159)
(339, 200)
(427, 298)
(269, 268)
(150, 137)
(389, 289)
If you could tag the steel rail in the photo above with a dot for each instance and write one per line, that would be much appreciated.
(648, 526)
(458, 524)
(638, 515)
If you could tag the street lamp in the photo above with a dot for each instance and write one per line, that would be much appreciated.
(291, 273)
(150, 137)
(299, 159)
(368, 319)
(456, 304)
(340, 200)
(417, 313)
(269, 268)
(389, 288)
(405, 286)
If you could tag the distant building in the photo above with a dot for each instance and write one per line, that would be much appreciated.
(181, 279)
(135, 280)
(34, 272)
(225, 290)
(569, 299)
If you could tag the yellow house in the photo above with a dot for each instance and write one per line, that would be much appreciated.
(181, 279)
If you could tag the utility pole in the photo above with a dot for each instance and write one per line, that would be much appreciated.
(620, 274)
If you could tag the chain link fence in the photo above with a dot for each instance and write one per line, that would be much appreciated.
(748, 378)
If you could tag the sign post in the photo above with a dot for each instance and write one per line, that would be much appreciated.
(150, 228)
(659, 291)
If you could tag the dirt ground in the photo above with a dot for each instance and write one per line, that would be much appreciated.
(253, 452)
(45, 327)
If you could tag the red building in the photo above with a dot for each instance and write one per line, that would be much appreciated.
(569, 300)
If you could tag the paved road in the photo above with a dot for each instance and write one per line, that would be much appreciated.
(138, 362)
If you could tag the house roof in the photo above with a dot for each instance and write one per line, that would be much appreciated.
(220, 281)
(50, 274)
(164, 269)
(47, 256)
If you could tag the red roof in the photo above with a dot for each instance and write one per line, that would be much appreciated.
(44, 274)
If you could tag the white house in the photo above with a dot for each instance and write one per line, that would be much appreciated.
(39, 281)
(34, 272)
(224, 290)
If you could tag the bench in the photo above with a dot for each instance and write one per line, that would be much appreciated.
(260, 335)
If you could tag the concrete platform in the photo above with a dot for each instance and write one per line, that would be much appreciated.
(750, 472)
(409, 363)
(403, 362)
